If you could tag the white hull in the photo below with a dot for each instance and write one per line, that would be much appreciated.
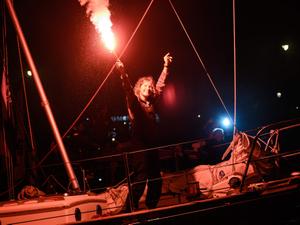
(63, 209)
(51, 210)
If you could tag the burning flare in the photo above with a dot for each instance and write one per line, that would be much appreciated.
(99, 15)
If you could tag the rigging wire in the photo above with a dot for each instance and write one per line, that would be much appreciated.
(26, 100)
(199, 58)
(100, 86)
(9, 112)
(6, 114)
(43, 97)
(33, 153)
(234, 67)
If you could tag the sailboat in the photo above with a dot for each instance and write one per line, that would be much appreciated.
(57, 209)
(249, 176)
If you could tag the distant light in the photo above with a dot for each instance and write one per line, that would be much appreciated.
(198, 116)
(226, 122)
(279, 94)
(119, 118)
(113, 139)
(125, 123)
(285, 47)
(29, 73)
(297, 107)
(100, 179)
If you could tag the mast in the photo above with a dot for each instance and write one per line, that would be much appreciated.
(44, 100)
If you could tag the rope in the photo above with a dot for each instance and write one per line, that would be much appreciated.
(26, 99)
(200, 60)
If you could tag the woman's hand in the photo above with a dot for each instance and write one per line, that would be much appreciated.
(120, 67)
(168, 59)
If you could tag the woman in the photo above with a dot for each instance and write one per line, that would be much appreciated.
(141, 102)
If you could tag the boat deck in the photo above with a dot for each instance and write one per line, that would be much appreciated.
(275, 203)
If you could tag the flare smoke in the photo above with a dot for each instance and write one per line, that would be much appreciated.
(99, 15)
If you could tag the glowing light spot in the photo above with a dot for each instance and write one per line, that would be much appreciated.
(285, 47)
(198, 116)
(279, 94)
(226, 122)
(29, 73)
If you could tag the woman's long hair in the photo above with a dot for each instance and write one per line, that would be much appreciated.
(138, 84)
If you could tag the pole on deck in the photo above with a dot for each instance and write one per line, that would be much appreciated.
(44, 100)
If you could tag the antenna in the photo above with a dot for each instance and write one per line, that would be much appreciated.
(234, 67)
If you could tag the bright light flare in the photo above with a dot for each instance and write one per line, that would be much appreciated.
(100, 17)
(103, 25)
(226, 122)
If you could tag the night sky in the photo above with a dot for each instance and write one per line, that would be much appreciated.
(73, 62)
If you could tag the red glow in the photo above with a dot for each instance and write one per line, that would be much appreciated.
(170, 95)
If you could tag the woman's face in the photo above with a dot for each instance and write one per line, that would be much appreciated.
(146, 89)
